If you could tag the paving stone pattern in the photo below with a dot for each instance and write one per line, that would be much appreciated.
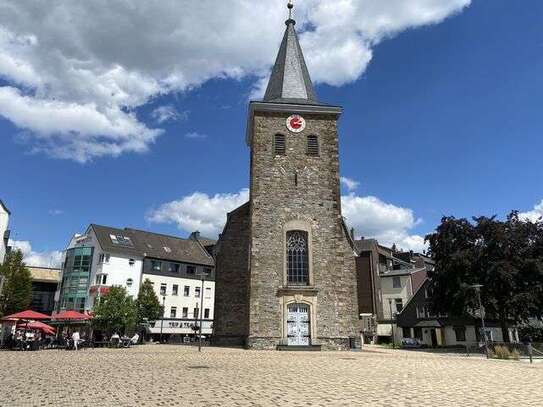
(155, 375)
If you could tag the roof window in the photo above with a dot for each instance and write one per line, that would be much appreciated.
(121, 240)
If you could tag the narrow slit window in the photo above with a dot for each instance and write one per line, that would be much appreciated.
(313, 146)
(279, 145)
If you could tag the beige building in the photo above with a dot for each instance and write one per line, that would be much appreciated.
(44, 285)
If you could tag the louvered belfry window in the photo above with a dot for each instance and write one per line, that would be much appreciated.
(312, 146)
(297, 258)
(279, 146)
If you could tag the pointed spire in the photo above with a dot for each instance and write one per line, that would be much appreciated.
(290, 81)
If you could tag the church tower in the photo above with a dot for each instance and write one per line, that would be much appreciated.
(286, 272)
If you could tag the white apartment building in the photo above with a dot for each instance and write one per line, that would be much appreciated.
(4, 232)
(103, 257)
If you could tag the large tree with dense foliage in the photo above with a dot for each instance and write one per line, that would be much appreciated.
(505, 257)
(148, 304)
(115, 312)
(16, 292)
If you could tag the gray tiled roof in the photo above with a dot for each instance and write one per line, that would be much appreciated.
(148, 244)
(290, 81)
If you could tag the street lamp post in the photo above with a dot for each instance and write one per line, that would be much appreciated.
(201, 315)
(162, 319)
(203, 275)
(391, 322)
(477, 288)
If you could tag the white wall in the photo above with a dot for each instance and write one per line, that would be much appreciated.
(389, 292)
(117, 269)
(4, 222)
(450, 336)
(180, 301)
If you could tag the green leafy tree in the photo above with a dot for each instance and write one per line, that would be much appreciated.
(115, 312)
(16, 292)
(506, 257)
(148, 304)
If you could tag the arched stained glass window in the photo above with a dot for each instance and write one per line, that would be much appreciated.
(297, 258)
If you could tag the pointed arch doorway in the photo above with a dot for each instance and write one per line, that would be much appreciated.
(298, 325)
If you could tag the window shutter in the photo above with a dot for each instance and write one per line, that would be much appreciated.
(279, 145)
(312, 145)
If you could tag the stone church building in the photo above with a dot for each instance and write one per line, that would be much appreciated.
(285, 262)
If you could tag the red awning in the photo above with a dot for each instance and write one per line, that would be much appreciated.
(71, 316)
(37, 325)
(28, 315)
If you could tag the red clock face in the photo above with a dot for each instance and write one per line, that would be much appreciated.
(296, 123)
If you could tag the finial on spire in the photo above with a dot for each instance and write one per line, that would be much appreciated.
(290, 7)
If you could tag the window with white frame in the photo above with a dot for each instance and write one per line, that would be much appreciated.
(197, 292)
(163, 288)
(185, 312)
(173, 312)
(186, 291)
(208, 293)
(396, 282)
(175, 289)
(101, 279)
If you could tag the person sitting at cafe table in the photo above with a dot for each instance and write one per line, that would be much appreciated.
(115, 339)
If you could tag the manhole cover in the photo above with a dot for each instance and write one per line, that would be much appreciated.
(198, 367)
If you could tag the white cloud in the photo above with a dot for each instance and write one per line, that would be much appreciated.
(56, 212)
(194, 135)
(168, 113)
(199, 211)
(388, 223)
(38, 259)
(349, 183)
(78, 71)
(371, 217)
(533, 215)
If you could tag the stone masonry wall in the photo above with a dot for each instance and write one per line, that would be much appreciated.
(276, 200)
(232, 281)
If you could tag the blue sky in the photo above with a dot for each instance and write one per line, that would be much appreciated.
(444, 120)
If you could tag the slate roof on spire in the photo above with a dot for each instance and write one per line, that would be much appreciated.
(290, 81)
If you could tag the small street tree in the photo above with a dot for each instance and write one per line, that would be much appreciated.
(148, 304)
(505, 257)
(16, 293)
(115, 312)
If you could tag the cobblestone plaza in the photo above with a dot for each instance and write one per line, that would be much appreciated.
(155, 375)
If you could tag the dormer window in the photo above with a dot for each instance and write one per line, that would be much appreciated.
(279, 145)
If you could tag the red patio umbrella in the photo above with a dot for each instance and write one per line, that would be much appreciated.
(71, 316)
(40, 326)
(27, 315)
